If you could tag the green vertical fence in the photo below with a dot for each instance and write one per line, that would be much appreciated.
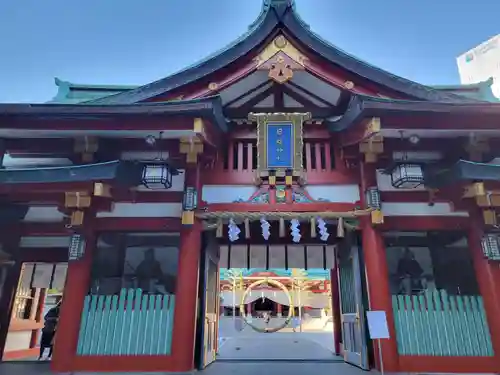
(437, 324)
(128, 324)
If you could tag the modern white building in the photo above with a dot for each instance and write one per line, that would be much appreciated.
(482, 63)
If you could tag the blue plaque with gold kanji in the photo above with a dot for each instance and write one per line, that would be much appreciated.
(280, 145)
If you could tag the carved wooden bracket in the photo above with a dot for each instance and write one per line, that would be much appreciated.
(193, 146)
(87, 146)
(476, 147)
(482, 197)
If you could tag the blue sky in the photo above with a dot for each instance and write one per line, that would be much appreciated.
(136, 42)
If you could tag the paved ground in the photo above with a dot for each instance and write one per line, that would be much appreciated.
(243, 351)
(218, 368)
(278, 346)
(241, 342)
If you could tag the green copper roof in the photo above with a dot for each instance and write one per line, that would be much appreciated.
(73, 93)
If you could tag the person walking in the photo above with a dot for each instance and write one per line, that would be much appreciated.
(49, 330)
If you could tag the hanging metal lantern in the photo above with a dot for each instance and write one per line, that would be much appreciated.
(76, 249)
(157, 176)
(491, 248)
(407, 176)
(373, 198)
(190, 199)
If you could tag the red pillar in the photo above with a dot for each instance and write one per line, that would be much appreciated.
(488, 279)
(75, 290)
(187, 298)
(186, 295)
(336, 314)
(377, 276)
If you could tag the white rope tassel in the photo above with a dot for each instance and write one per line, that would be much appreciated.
(295, 230)
(265, 226)
(323, 230)
(233, 231)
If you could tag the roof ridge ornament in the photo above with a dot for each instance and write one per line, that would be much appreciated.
(280, 6)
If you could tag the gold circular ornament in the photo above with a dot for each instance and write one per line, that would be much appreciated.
(280, 42)
(269, 282)
(349, 85)
(280, 193)
(213, 86)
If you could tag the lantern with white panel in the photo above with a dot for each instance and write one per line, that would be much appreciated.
(407, 176)
(157, 175)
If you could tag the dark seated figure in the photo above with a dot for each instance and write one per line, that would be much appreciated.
(410, 274)
(149, 274)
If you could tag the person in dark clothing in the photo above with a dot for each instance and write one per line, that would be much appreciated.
(410, 273)
(149, 270)
(49, 330)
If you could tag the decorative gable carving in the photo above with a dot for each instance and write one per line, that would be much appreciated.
(281, 59)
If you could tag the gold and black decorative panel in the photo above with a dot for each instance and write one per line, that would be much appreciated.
(279, 143)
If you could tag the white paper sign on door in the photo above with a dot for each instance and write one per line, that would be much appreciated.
(377, 325)
(42, 275)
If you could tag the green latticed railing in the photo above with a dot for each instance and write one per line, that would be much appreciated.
(437, 324)
(128, 324)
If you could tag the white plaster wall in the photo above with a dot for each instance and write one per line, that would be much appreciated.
(334, 193)
(420, 209)
(226, 193)
(17, 340)
(144, 210)
(43, 214)
(41, 241)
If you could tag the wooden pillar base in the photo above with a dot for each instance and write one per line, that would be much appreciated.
(488, 279)
(76, 288)
(379, 295)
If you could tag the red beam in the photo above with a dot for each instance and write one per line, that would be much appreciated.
(45, 187)
(310, 132)
(319, 71)
(224, 82)
(144, 123)
(338, 77)
(228, 177)
(164, 224)
(416, 223)
(146, 224)
(43, 254)
(63, 147)
(295, 207)
(57, 198)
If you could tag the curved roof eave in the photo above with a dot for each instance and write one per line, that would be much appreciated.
(275, 13)
(362, 106)
(208, 107)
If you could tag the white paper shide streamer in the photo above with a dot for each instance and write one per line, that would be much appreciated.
(323, 230)
(233, 231)
(295, 230)
(265, 226)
